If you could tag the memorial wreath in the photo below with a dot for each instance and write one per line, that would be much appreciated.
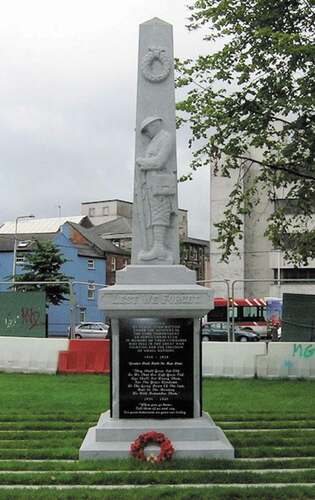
(166, 447)
(156, 54)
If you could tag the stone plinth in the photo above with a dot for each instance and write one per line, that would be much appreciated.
(195, 437)
(155, 291)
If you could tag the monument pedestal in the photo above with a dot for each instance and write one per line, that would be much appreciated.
(156, 365)
(191, 437)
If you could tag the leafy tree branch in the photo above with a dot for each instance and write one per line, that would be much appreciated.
(252, 101)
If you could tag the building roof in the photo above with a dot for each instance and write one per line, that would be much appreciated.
(39, 226)
(91, 235)
(26, 241)
(7, 241)
(89, 251)
(197, 241)
(114, 228)
(96, 246)
(122, 226)
(106, 201)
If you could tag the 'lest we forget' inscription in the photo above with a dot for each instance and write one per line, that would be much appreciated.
(155, 368)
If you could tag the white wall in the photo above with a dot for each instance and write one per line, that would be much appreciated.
(245, 360)
(227, 359)
(288, 360)
(219, 359)
(30, 355)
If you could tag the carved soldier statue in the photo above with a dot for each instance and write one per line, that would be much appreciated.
(158, 189)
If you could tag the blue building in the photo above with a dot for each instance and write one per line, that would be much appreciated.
(86, 256)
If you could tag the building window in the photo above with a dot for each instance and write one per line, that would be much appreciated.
(290, 206)
(82, 315)
(198, 273)
(91, 291)
(185, 252)
(113, 264)
(306, 273)
(23, 243)
(105, 211)
(91, 212)
(91, 264)
(20, 259)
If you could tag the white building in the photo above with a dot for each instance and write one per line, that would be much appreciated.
(258, 259)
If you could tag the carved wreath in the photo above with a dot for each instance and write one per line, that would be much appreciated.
(155, 54)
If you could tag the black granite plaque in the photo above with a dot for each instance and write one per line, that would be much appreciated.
(156, 368)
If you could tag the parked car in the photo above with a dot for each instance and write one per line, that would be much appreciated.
(91, 329)
(219, 331)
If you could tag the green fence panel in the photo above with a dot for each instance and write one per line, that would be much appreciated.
(298, 318)
(22, 314)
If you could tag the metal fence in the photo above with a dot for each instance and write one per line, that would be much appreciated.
(81, 304)
(230, 286)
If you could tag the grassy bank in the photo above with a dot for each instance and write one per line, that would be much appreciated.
(44, 418)
(74, 396)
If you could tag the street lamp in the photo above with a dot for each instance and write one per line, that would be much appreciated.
(15, 244)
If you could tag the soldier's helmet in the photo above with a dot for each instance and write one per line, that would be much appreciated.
(148, 120)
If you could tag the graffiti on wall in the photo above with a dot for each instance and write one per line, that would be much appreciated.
(22, 314)
(303, 351)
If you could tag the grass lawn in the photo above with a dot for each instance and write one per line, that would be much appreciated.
(77, 394)
(43, 420)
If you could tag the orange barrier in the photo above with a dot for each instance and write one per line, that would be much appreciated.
(85, 356)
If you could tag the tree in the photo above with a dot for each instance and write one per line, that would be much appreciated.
(250, 108)
(44, 263)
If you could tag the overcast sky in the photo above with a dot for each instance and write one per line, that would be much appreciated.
(68, 102)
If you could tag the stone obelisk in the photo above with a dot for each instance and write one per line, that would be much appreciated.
(155, 225)
(155, 306)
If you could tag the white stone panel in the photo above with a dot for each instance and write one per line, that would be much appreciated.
(231, 359)
(30, 355)
(288, 360)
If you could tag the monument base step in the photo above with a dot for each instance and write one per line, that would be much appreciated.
(193, 438)
(127, 429)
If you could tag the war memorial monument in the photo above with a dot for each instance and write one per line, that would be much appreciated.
(156, 305)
